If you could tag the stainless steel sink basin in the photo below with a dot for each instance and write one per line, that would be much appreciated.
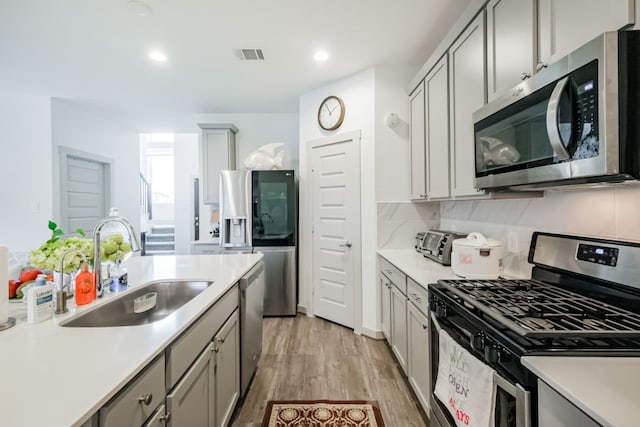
(147, 304)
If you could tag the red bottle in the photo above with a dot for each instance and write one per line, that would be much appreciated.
(85, 286)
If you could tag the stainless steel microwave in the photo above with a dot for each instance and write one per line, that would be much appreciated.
(575, 122)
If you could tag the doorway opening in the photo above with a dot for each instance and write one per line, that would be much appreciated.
(157, 187)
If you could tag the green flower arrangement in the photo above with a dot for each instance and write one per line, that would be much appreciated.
(49, 254)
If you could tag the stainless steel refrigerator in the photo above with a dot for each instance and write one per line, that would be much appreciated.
(259, 213)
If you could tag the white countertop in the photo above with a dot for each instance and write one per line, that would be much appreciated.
(59, 376)
(416, 266)
(605, 388)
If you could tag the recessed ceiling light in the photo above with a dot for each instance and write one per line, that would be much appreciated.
(321, 56)
(158, 56)
(139, 8)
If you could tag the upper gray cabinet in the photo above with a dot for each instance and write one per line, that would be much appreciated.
(564, 25)
(437, 129)
(218, 152)
(468, 93)
(511, 44)
(416, 104)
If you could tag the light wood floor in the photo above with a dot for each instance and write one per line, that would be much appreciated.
(310, 358)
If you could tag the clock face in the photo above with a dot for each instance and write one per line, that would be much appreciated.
(331, 113)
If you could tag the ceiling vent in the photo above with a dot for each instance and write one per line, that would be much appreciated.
(250, 54)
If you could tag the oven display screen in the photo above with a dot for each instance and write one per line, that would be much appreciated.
(585, 87)
(598, 254)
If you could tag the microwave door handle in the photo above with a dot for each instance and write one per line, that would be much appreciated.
(553, 129)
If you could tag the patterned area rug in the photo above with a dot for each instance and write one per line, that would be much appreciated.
(322, 413)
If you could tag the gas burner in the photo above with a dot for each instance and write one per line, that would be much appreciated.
(535, 323)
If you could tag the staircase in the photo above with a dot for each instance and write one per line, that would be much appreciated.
(160, 240)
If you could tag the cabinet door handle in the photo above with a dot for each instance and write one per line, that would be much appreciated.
(165, 418)
(524, 76)
(424, 326)
(220, 340)
(423, 196)
(146, 399)
(540, 66)
(389, 271)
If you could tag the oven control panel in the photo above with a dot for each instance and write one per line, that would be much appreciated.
(598, 254)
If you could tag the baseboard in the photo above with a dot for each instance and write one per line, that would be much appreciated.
(301, 309)
(376, 335)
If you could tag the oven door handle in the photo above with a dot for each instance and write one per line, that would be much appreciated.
(553, 127)
(522, 396)
(435, 323)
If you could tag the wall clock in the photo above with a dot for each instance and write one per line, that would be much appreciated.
(331, 113)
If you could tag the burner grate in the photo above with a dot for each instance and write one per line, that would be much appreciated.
(534, 309)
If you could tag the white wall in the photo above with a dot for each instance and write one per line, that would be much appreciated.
(608, 212)
(25, 170)
(186, 168)
(80, 128)
(357, 92)
(393, 146)
(368, 97)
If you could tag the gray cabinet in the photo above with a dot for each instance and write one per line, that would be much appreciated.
(226, 348)
(399, 326)
(159, 419)
(218, 152)
(385, 306)
(191, 402)
(511, 44)
(564, 25)
(199, 373)
(417, 129)
(137, 400)
(393, 289)
(437, 129)
(468, 93)
(418, 354)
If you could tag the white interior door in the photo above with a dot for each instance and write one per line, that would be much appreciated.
(336, 228)
(84, 192)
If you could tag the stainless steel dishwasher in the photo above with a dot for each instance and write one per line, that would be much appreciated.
(251, 313)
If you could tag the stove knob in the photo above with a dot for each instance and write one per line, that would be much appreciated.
(491, 354)
(477, 342)
(441, 311)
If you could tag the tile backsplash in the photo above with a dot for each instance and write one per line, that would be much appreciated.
(611, 212)
(607, 212)
(398, 223)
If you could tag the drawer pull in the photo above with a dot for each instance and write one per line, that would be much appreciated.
(220, 340)
(165, 418)
(415, 296)
(146, 399)
(389, 271)
(424, 326)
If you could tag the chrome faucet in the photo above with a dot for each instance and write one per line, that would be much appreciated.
(113, 217)
(61, 294)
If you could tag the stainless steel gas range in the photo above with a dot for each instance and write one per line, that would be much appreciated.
(583, 300)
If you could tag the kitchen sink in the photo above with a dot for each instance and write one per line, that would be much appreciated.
(141, 306)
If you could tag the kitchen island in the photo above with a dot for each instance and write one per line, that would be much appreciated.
(61, 376)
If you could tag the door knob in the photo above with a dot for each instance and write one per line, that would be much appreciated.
(346, 244)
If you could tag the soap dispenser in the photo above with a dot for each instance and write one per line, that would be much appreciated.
(85, 286)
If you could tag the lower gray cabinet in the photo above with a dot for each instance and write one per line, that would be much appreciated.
(226, 348)
(159, 419)
(418, 354)
(385, 299)
(191, 402)
(399, 326)
(137, 400)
